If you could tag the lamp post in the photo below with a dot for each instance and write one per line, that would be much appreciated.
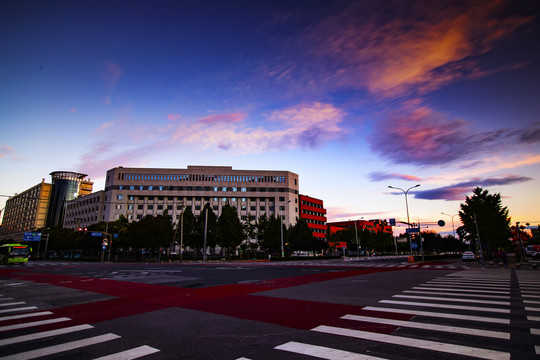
(356, 236)
(407, 207)
(181, 230)
(281, 228)
(452, 216)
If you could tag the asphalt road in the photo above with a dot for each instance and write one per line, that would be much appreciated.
(295, 310)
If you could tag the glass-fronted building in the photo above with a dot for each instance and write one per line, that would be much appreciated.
(66, 186)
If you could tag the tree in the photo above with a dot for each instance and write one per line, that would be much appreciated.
(229, 231)
(301, 237)
(250, 232)
(190, 237)
(485, 211)
(269, 233)
(151, 232)
(209, 219)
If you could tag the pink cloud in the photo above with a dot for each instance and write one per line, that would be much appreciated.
(72, 110)
(173, 117)
(379, 176)
(302, 126)
(223, 118)
(6, 150)
(111, 74)
(395, 48)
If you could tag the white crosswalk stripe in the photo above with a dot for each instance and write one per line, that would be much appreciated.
(26, 321)
(322, 352)
(492, 292)
(416, 343)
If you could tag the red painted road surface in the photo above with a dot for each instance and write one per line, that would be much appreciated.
(235, 300)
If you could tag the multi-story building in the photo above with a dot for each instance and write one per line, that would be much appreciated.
(371, 225)
(137, 192)
(42, 205)
(26, 211)
(66, 186)
(313, 211)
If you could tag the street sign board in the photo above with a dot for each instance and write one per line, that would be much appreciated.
(392, 222)
(32, 236)
(412, 230)
(96, 234)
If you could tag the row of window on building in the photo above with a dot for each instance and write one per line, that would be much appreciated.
(200, 177)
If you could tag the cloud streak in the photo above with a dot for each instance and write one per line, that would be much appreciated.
(380, 176)
(307, 126)
(461, 190)
(394, 48)
(422, 136)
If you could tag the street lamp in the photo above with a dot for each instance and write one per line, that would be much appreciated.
(452, 216)
(356, 236)
(281, 227)
(407, 207)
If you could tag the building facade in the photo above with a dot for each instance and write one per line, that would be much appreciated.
(66, 186)
(313, 211)
(137, 192)
(26, 211)
(371, 225)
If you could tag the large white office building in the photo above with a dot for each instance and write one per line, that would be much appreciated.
(137, 192)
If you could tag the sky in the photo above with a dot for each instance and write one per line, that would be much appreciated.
(353, 96)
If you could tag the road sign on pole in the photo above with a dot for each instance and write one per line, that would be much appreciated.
(413, 230)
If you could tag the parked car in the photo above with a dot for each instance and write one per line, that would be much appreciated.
(468, 255)
(533, 250)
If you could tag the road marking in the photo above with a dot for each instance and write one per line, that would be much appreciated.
(34, 323)
(530, 296)
(531, 302)
(14, 284)
(474, 281)
(532, 309)
(130, 354)
(322, 352)
(13, 303)
(440, 315)
(416, 343)
(454, 294)
(453, 299)
(460, 286)
(4, 299)
(460, 290)
(22, 316)
(18, 309)
(535, 331)
(44, 334)
(533, 318)
(471, 282)
(443, 328)
(446, 306)
(61, 347)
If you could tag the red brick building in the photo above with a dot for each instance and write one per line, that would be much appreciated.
(371, 225)
(313, 211)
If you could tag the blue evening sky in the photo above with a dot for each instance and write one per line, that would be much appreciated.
(351, 95)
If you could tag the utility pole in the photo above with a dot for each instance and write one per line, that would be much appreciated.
(205, 229)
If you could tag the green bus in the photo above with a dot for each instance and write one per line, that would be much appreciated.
(14, 253)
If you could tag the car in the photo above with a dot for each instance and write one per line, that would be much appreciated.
(533, 251)
(468, 255)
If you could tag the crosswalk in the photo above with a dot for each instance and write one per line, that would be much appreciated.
(529, 285)
(21, 337)
(461, 315)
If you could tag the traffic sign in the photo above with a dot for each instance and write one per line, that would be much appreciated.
(96, 234)
(32, 236)
(412, 230)
(392, 222)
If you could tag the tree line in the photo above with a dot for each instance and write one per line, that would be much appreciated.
(228, 232)
(485, 225)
